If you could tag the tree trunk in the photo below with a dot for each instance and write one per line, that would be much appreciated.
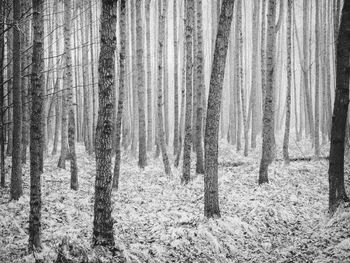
(140, 85)
(317, 82)
(2, 128)
(337, 192)
(189, 7)
(149, 76)
(103, 221)
(211, 191)
(161, 136)
(68, 85)
(122, 56)
(36, 132)
(268, 101)
(176, 88)
(16, 173)
(289, 82)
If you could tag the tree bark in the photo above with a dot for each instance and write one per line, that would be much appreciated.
(211, 191)
(122, 56)
(176, 80)
(16, 172)
(103, 221)
(36, 132)
(186, 172)
(2, 128)
(149, 76)
(337, 192)
(268, 118)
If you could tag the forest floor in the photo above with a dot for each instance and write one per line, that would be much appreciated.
(159, 220)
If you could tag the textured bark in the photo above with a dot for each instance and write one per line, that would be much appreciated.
(289, 82)
(2, 128)
(25, 61)
(305, 68)
(254, 89)
(103, 221)
(161, 135)
(268, 118)
(149, 76)
(16, 172)
(317, 82)
(189, 9)
(68, 85)
(36, 132)
(263, 51)
(122, 56)
(211, 191)
(64, 130)
(140, 86)
(166, 81)
(337, 192)
(9, 82)
(176, 80)
(200, 89)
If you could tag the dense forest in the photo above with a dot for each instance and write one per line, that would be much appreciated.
(174, 131)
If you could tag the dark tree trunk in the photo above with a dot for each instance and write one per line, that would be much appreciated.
(16, 174)
(337, 192)
(36, 132)
(211, 191)
(103, 221)
(2, 128)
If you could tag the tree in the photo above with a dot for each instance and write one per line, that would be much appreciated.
(211, 191)
(68, 85)
(149, 75)
(200, 89)
(16, 174)
(36, 132)
(176, 81)
(337, 193)
(140, 84)
(161, 135)
(268, 114)
(122, 56)
(289, 82)
(103, 221)
(2, 128)
(189, 7)
(317, 82)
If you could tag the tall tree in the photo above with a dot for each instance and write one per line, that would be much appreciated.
(68, 85)
(268, 114)
(2, 128)
(36, 132)
(317, 81)
(149, 75)
(122, 77)
(140, 86)
(200, 89)
(337, 193)
(211, 191)
(289, 82)
(161, 135)
(189, 7)
(103, 221)
(176, 81)
(16, 173)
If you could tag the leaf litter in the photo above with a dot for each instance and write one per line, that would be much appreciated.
(156, 219)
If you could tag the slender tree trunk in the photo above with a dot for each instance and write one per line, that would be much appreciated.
(16, 173)
(189, 7)
(268, 101)
(161, 135)
(200, 89)
(122, 56)
(337, 192)
(149, 76)
(68, 85)
(103, 221)
(140, 85)
(9, 83)
(36, 132)
(2, 128)
(211, 191)
(176, 88)
(289, 82)
(165, 80)
(317, 82)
